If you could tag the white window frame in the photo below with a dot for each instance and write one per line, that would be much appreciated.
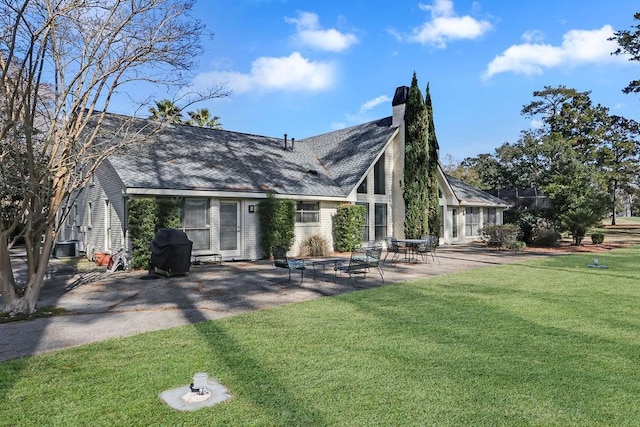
(304, 215)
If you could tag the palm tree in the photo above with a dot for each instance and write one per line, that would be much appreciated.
(202, 118)
(166, 110)
(579, 220)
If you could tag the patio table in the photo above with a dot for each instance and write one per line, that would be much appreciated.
(323, 263)
(412, 244)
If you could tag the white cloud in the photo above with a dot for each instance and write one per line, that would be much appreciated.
(531, 36)
(310, 33)
(374, 103)
(270, 74)
(578, 47)
(445, 25)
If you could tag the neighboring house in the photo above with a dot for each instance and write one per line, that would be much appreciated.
(221, 177)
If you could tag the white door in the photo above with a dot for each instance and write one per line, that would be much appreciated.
(230, 229)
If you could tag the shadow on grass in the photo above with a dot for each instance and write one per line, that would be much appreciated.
(252, 381)
(497, 354)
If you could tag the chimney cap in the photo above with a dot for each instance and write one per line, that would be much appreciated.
(400, 96)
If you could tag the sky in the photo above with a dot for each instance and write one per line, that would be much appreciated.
(309, 67)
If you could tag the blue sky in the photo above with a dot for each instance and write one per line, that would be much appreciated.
(308, 67)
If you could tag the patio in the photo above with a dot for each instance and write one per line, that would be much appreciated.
(128, 303)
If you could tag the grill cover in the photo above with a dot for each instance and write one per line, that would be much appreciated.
(171, 251)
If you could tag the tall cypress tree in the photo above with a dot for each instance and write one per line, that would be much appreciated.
(433, 212)
(416, 197)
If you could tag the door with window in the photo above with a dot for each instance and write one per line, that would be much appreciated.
(230, 229)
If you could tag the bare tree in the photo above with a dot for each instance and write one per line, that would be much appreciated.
(61, 64)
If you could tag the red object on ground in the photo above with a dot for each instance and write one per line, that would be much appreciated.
(102, 258)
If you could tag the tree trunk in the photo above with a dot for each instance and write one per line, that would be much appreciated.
(27, 303)
(7, 281)
(613, 203)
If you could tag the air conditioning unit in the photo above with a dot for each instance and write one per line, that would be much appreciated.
(66, 249)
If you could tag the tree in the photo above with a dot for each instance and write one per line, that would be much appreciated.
(433, 212)
(61, 64)
(166, 111)
(416, 173)
(578, 221)
(619, 158)
(202, 118)
(577, 157)
(629, 43)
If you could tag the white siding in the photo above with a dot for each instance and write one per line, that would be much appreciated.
(250, 230)
(90, 232)
(323, 228)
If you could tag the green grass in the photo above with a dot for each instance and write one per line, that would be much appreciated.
(628, 220)
(549, 342)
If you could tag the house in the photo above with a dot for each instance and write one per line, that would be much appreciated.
(221, 176)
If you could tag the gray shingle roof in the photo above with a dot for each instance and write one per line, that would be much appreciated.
(472, 195)
(191, 158)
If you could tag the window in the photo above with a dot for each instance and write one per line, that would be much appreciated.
(379, 179)
(454, 223)
(380, 213)
(490, 216)
(472, 221)
(195, 222)
(365, 235)
(442, 219)
(362, 188)
(308, 212)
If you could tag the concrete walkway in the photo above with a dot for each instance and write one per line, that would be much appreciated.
(102, 305)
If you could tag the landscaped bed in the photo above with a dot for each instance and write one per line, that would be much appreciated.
(548, 342)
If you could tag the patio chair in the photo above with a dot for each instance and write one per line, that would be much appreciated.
(428, 248)
(394, 248)
(361, 261)
(281, 260)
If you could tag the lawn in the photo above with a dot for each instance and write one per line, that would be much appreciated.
(628, 220)
(549, 342)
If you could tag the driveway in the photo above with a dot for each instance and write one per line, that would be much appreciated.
(107, 305)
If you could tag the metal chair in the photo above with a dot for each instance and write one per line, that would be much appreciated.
(281, 260)
(428, 248)
(363, 259)
(394, 248)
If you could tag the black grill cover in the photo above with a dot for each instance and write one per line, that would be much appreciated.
(171, 251)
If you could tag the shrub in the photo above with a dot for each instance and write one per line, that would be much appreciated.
(499, 235)
(531, 222)
(168, 212)
(516, 246)
(314, 245)
(578, 222)
(546, 238)
(349, 227)
(597, 238)
(277, 219)
(142, 229)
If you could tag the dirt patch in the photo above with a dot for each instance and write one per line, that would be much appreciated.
(566, 247)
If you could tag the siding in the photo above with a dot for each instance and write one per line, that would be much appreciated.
(88, 225)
